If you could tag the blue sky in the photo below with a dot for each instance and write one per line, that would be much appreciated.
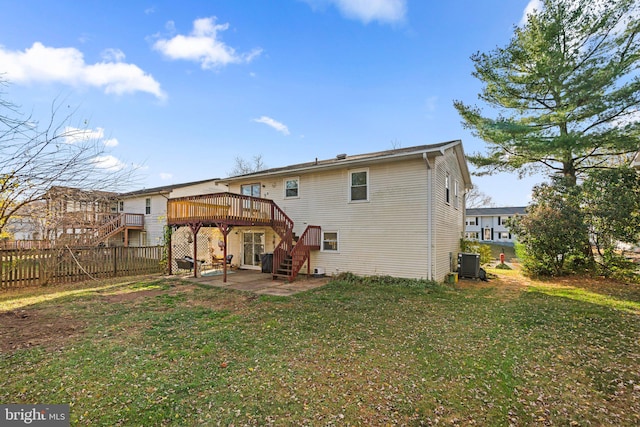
(181, 89)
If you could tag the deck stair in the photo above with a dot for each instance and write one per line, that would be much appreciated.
(291, 263)
(108, 227)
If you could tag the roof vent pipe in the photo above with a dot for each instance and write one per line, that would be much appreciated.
(341, 156)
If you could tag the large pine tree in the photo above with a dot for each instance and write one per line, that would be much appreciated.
(565, 90)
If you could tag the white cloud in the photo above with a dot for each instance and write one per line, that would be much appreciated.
(532, 6)
(204, 46)
(109, 162)
(42, 64)
(273, 123)
(165, 176)
(386, 11)
(73, 135)
(111, 142)
(113, 55)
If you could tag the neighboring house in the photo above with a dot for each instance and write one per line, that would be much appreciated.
(151, 204)
(71, 216)
(489, 224)
(75, 216)
(397, 212)
(28, 223)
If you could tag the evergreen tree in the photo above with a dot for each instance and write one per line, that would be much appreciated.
(566, 89)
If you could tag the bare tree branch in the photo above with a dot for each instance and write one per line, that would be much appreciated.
(35, 158)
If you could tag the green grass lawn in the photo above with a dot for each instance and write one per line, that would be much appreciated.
(356, 352)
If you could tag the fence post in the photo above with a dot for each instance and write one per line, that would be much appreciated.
(114, 254)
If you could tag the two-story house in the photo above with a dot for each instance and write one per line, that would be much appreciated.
(397, 212)
(489, 224)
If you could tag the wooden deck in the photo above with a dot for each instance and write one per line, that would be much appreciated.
(224, 208)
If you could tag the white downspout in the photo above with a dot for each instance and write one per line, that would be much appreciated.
(429, 217)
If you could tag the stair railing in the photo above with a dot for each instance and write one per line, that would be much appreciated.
(301, 252)
(283, 226)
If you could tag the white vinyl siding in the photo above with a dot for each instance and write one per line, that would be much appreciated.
(386, 236)
(448, 221)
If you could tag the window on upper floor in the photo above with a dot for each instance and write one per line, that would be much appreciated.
(147, 206)
(502, 220)
(330, 241)
(252, 190)
(359, 185)
(121, 206)
(472, 220)
(291, 188)
(447, 195)
(456, 199)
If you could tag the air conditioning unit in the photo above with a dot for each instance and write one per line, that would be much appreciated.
(469, 265)
(318, 272)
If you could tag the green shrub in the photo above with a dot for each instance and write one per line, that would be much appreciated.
(473, 247)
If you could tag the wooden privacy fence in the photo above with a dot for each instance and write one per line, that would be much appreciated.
(20, 268)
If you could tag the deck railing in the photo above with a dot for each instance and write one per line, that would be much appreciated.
(219, 207)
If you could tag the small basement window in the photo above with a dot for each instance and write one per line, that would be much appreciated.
(330, 241)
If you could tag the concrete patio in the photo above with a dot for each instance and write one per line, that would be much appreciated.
(260, 283)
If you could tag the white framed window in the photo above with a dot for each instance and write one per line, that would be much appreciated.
(147, 206)
(121, 205)
(472, 220)
(455, 194)
(504, 235)
(472, 235)
(359, 185)
(330, 241)
(447, 190)
(502, 220)
(252, 190)
(292, 188)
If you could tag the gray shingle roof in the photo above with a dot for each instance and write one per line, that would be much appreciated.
(343, 158)
(520, 210)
